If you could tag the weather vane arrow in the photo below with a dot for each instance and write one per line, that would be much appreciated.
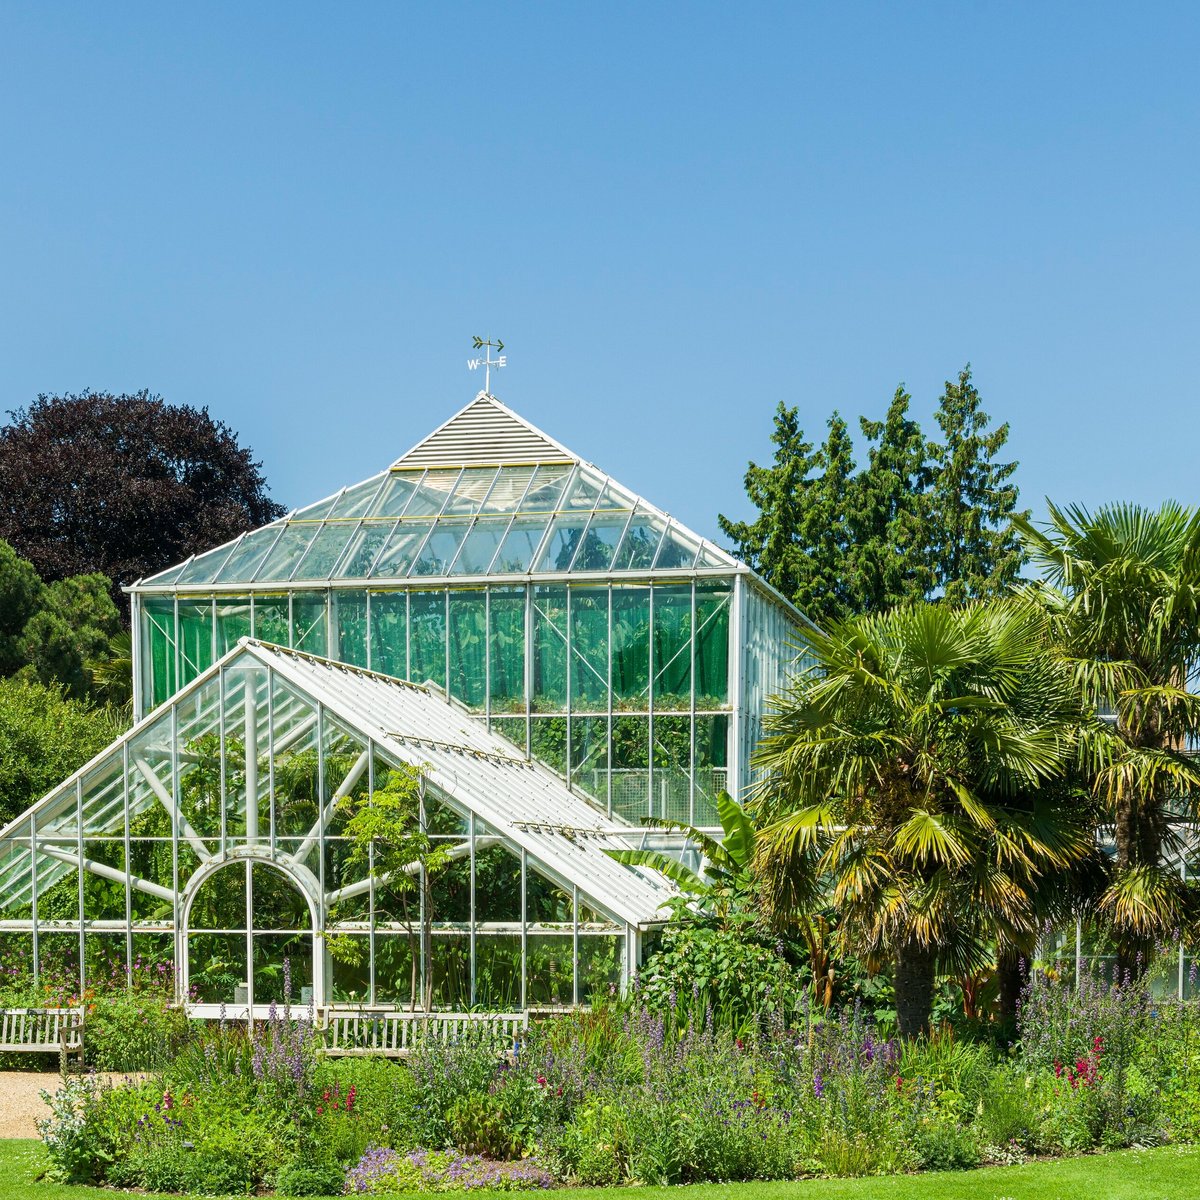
(487, 362)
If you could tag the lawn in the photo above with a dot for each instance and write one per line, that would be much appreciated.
(1169, 1173)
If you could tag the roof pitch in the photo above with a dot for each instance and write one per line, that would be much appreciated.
(477, 771)
(486, 431)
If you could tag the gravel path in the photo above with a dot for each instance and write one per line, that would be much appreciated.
(20, 1104)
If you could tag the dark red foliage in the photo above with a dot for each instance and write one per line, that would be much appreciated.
(126, 485)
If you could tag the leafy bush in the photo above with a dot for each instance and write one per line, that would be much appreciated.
(131, 1031)
(74, 1136)
(309, 1179)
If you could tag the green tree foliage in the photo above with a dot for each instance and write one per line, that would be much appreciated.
(56, 632)
(44, 737)
(921, 519)
(123, 484)
(1123, 593)
(973, 501)
(903, 777)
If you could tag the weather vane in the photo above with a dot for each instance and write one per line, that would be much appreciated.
(487, 362)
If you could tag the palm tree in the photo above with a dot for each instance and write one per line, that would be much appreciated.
(903, 774)
(1122, 590)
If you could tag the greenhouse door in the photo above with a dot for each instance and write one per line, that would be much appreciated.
(249, 936)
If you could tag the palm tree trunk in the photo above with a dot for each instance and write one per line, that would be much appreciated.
(1011, 981)
(914, 988)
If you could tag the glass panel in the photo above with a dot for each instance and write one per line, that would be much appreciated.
(712, 776)
(451, 886)
(233, 623)
(440, 548)
(389, 633)
(296, 773)
(480, 546)
(427, 637)
(154, 962)
(672, 768)
(396, 494)
(200, 762)
(676, 551)
(468, 648)
(709, 558)
(451, 968)
(433, 492)
(363, 549)
(497, 881)
(498, 972)
(16, 968)
(159, 617)
(506, 648)
(546, 489)
(397, 556)
(548, 904)
(519, 546)
(350, 611)
(589, 649)
(673, 648)
(630, 763)
(355, 501)
(600, 542)
(352, 979)
(548, 742)
(103, 899)
(550, 649)
(589, 757)
(271, 620)
(712, 645)
(631, 648)
(509, 488)
(104, 798)
(220, 901)
(316, 512)
(58, 962)
(600, 959)
(551, 970)
(308, 623)
(202, 568)
(105, 967)
(288, 551)
(512, 728)
(195, 637)
(282, 968)
(640, 543)
(150, 859)
(397, 971)
(216, 966)
(277, 903)
(325, 551)
(244, 562)
(562, 543)
(443, 821)
(584, 493)
(473, 485)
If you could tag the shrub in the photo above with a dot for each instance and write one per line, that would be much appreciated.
(310, 1179)
(74, 1136)
(131, 1031)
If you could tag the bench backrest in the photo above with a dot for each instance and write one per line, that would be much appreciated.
(45, 1029)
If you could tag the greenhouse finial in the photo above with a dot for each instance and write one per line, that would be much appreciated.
(487, 362)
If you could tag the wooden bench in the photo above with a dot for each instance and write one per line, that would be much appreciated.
(394, 1033)
(44, 1031)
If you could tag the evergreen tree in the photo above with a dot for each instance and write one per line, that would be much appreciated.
(775, 544)
(976, 550)
(890, 522)
(920, 520)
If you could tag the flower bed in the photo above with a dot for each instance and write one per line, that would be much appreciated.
(622, 1095)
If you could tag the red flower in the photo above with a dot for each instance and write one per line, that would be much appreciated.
(320, 1111)
(541, 1080)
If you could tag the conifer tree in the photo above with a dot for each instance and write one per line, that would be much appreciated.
(972, 501)
(890, 522)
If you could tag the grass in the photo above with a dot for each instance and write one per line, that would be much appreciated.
(1163, 1174)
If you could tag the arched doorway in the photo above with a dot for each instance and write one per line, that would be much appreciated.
(248, 928)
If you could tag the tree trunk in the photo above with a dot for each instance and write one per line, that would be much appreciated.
(914, 988)
(1011, 980)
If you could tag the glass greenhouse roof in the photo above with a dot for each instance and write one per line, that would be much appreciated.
(473, 771)
(427, 517)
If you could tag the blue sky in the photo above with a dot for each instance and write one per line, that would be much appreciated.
(674, 215)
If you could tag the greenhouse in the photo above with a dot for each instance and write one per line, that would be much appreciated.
(543, 659)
